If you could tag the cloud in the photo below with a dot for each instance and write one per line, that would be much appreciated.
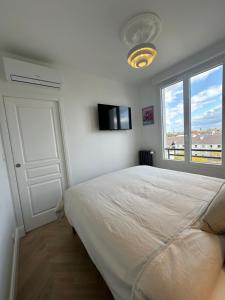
(204, 75)
(173, 91)
(173, 115)
(212, 118)
(178, 125)
(205, 97)
(173, 112)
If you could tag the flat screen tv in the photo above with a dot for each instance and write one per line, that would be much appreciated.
(113, 117)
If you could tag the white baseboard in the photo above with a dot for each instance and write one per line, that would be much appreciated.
(19, 232)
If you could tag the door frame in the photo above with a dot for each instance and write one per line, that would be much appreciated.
(8, 148)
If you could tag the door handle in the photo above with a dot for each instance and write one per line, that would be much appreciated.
(18, 165)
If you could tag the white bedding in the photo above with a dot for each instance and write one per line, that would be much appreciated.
(139, 226)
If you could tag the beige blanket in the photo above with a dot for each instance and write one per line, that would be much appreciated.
(142, 228)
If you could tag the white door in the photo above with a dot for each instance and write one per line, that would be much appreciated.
(35, 134)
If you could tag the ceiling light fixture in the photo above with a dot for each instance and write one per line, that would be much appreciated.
(139, 33)
(142, 55)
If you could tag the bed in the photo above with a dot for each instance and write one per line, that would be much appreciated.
(153, 234)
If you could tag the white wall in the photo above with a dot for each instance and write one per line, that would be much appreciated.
(93, 152)
(7, 228)
(152, 134)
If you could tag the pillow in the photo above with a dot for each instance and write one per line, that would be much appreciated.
(213, 219)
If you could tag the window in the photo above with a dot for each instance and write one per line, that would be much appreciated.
(206, 114)
(203, 127)
(173, 121)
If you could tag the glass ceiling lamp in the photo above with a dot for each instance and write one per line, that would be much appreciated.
(139, 33)
(142, 55)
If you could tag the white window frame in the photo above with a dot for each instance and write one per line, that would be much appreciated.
(185, 77)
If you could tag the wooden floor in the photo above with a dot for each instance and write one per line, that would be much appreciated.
(54, 265)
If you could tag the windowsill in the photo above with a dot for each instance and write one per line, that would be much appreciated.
(206, 164)
(183, 162)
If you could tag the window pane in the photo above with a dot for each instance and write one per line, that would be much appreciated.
(206, 116)
(172, 97)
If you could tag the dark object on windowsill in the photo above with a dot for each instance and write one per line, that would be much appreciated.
(146, 157)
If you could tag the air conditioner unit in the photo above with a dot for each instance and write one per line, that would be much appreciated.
(20, 71)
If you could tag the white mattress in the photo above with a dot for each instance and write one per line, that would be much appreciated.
(136, 225)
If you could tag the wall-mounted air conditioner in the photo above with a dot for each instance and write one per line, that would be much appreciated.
(20, 71)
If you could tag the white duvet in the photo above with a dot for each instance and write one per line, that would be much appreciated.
(141, 228)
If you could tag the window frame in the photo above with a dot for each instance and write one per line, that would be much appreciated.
(186, 78)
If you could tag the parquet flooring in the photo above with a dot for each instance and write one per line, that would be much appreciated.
(54, 265)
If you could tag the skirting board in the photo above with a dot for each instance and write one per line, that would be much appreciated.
(19, 233)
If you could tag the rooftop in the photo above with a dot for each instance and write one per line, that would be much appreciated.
(209, 139)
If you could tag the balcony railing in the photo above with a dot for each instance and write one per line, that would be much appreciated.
(179, 152)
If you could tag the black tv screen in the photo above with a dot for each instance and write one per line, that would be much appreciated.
(113, 117)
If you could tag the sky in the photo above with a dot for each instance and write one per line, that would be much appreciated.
(206, 102)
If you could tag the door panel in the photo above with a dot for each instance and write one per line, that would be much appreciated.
(42, 171)
(36, 141)
(39, 192)
(35, 123)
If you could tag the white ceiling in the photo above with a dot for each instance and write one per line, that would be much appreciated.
(86, 33)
